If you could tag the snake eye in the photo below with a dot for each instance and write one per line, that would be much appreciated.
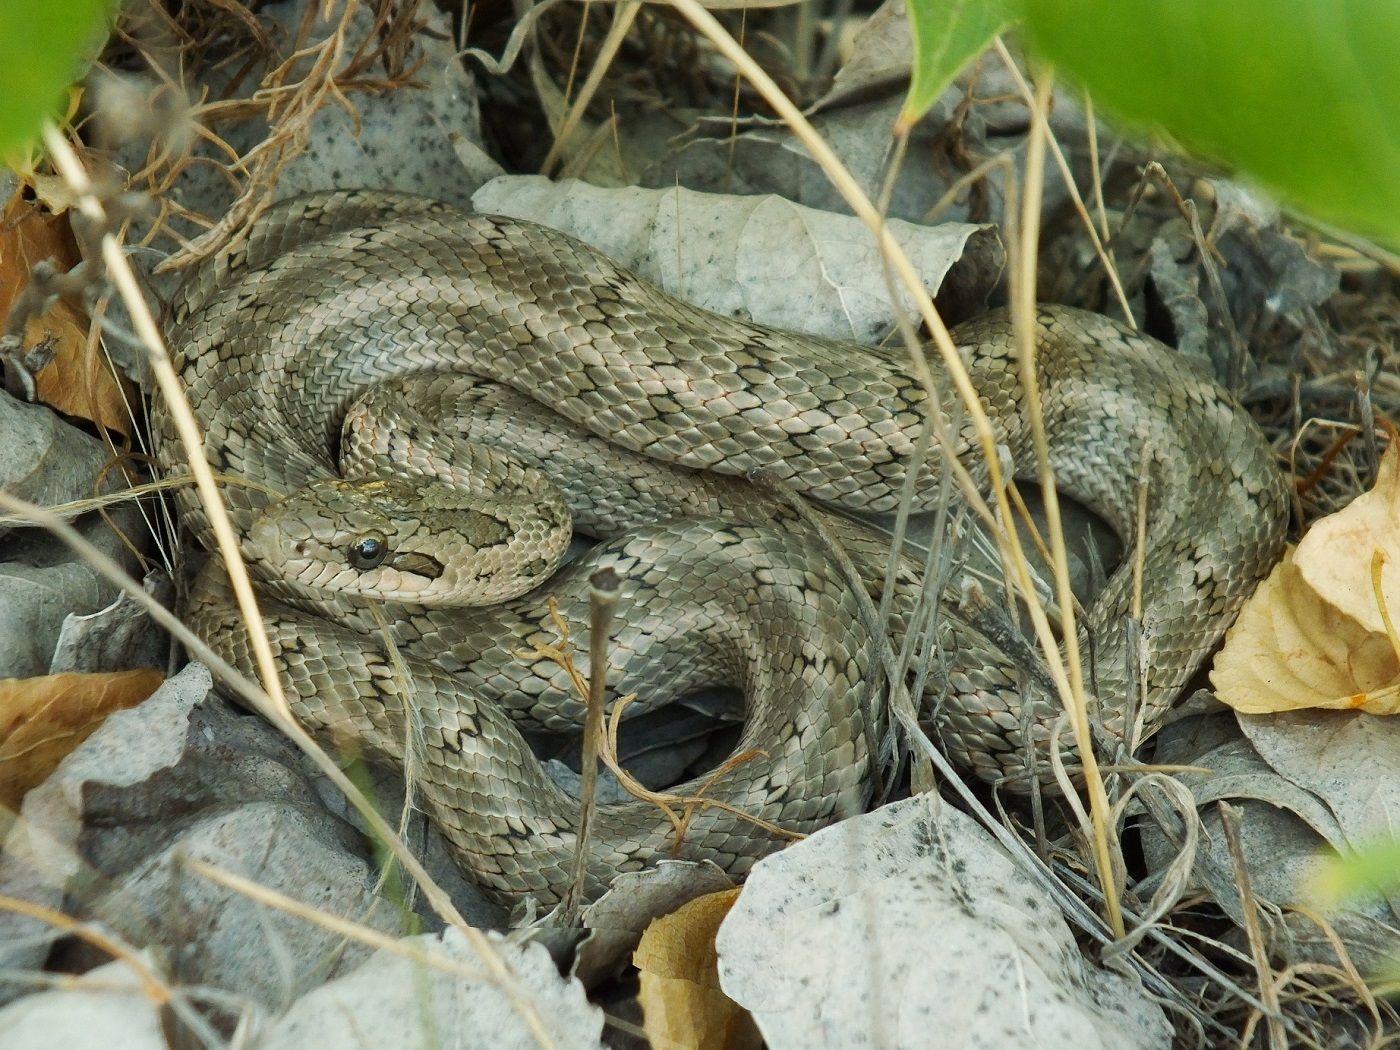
(368, 551)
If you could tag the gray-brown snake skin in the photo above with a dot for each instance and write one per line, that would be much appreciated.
(520, 337)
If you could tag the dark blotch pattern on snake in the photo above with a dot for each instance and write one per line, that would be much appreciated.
(522, 380)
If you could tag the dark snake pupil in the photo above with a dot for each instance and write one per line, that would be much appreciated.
(367, 552)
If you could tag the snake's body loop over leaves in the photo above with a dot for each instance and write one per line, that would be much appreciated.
(523, 380)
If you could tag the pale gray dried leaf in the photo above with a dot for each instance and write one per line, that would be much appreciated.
(1281, 832)
(1176, 281)
(762, 157)
(1265, 276)
(761, 258)
(1235, 771)
(909, 921)
(616, 921)
(105, 1009)
(183, 776)
(879, 59)
(43, 460)
(40, 856)
(1293, 807)
(1349, 760)
(396, 1001)
(115, 638)
(980, 116)
(34, 600)
(384, 786)
(1238, 205)
(41, 581)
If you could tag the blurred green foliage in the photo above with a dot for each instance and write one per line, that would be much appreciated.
(1303, 97)
(947, 35)
(44, 47)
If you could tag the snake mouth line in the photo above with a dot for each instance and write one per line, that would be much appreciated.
(417, 563)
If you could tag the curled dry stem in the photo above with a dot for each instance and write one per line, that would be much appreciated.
(688, 805)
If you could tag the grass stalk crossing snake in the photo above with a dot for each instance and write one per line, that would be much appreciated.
(522, 381)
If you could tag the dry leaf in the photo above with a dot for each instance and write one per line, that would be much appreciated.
(43, 719)
(680, 993)
(1313, 634)
(1334, 558)
(78, 381)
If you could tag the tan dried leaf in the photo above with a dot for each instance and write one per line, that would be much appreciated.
(1334, 558)
(78, 380)
(43, 719)
(1314, 633)
(679, 986)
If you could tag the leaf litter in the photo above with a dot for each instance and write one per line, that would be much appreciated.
(113, 832)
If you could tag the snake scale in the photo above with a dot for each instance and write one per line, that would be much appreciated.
(519, 380)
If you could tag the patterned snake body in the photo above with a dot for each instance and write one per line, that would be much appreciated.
(545, 383)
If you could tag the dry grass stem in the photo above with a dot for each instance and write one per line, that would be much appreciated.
(1096, 174)
(624, 15)
(1268, 988)
(1140, 544)
(603, 587)
(121, 274)
(497, 976)
(337, 924)
(1110, 267)
(412, 744)
(155, 987)
(1101, 831)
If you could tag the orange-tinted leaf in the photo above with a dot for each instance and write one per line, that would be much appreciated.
(1335, 556)
(679, 992)
(1291, 649)
(43, 719)
(1314, 633)
(78, 380)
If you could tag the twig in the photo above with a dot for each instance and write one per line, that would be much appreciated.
(602, 596)
(1268, 992)
(562, 656)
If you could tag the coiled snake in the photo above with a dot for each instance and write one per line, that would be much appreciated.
(523, 379)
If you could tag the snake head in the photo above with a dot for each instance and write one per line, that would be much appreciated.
(401, 540)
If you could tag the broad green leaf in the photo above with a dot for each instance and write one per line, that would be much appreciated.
(44, 47)
(1370, 872)
(947, 34)
(1303, 96)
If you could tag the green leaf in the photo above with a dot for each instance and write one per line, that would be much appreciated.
(44, 47)
(1304, 96)
(947, 35)
(1364, 875)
